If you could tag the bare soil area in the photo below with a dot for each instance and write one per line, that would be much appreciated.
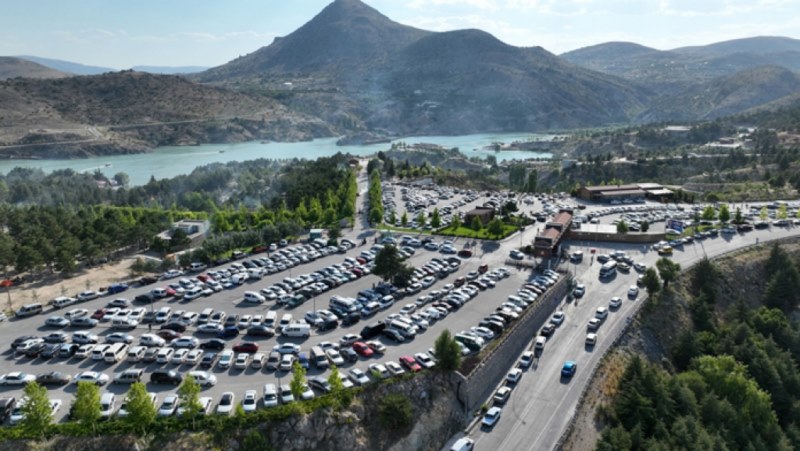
(44, 290)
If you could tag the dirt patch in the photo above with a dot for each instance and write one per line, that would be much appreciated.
(50, 287)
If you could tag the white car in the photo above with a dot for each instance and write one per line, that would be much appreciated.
(615, 302)
(526, 360)
(185, 342)
(379, 371)
(250, 401)
(204, 378)
(358, 377)
(178, 356)
(152, 340)
(242, 359)
(193, 357)
(91, 376)
(164, 355)
(225, 359)
(395, 368)
(424, 360)
(226, 403)
(17, 378)
(514, 376)
(169, 406)
(558, 318)
(633, 291)
(335, 357)
(348, 340)
(254, 297)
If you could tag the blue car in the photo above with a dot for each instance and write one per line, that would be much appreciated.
(117, 288)
(302, 358)
(229, 332)
(569, 368)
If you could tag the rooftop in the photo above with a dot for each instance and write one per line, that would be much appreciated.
(626, 192)
(596, 189)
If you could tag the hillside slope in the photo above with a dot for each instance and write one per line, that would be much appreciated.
(11, 67)
(133, 112)
(351, 61)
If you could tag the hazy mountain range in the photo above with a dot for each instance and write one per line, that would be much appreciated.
(351, 69)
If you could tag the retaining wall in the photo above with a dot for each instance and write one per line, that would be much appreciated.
(585, 235)
(477, 386)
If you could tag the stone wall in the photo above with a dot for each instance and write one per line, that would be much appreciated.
(476, 387)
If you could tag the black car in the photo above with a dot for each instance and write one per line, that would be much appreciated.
(260, 330)
(35, 350)
(494, 326)
(373, 330)
(50, 350)
(328, 325)
(146, 298)
(393, 335)
(547, 330)
(175, 326)
(54, 378)
(147, 280)
(19, 340)
(351, 319)
(349, 354)
(166, 377)
(213, 343)
(209, 359)
(6, 406)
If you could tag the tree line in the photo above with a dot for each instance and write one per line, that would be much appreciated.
(735, 383)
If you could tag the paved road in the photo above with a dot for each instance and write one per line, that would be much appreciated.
(543, 403)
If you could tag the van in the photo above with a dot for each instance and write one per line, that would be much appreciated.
(29, 310)
(258, 360)
(319, 358)
(406, 330)
(136, 353)
(129, 376)
(255, 274)
(107, 403)
(273, 360)
(115, 353)
(540, 341)
(270, 395)
(296, 330)
(463, 444)
(99, 351)
(205, 315)
(63, 301)
(344, 304)
(193, 293)
(271, 318)
(197, 267)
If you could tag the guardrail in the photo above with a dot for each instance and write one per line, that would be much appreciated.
(581, 399)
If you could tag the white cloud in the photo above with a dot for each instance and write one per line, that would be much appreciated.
(480, 4)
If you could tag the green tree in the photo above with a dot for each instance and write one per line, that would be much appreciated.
(122, 179)
(645, 226)
(141, 411)
(651, 282)
(724, 213)
(495, 227)
(395, 412)
(298, 382)
(421, 219)
(87, 405)
(37, 411)
(738, 218)
(622, 227)
(533, 182)
(404, 219)
(667, 270)
(763, 214)
(388, 263)
(342, 396)
(455, 223)
(709, 213)
(448, 352)
(392, 217)
(436, 220)
(782, 213)
(783, 288)
(189, 395)
(476, 223)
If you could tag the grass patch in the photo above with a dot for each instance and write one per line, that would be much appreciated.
(385, 227)
(467, 232)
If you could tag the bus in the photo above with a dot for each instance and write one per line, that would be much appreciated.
(608, 269)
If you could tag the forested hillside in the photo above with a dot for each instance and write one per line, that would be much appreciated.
(730, 378)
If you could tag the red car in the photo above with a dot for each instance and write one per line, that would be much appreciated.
(246, 346)
(168, 334)
(362, 349)
(410, 363)
(99, 314)
(460, 281)
(203, 277)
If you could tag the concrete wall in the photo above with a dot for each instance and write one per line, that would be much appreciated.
(477, 386)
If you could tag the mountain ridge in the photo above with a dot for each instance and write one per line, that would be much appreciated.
(11, 67)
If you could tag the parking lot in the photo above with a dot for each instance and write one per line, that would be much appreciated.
(231, 300)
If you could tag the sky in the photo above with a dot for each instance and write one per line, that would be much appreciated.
(124, 33)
